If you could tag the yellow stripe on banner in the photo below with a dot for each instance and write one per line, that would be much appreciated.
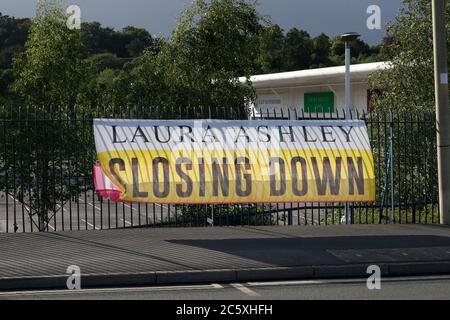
(241, 176)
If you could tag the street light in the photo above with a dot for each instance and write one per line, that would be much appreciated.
(442, 106)
(348, 38)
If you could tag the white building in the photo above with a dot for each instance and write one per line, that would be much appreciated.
(301, 93)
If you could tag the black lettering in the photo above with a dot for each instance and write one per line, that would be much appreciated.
(114, 128)
(274, 191)
(139, 133)
(283, 133)
(295, 189)
(220, 177)
(239, 135)
(325, 134)
(247, 177)
(202, 178)
(157, 135)
(184, 176)
(328, 177)
(305, 134)
(156, 179)
(266, 133)
(347, 133)
(112, 167)
(209, 134)
(135, 168)
(184, 134)
(355, 176)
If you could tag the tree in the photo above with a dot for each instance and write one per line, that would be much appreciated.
(361, 52)
(321, 51)
(13, 34)
(212, 46)
(51, 71)
(128, 43)
(271, 57)
(137, 40)
(98, 39)
(99, 62)
(299, 48)
(6, 78)
(50, 76)
(409, 83)
(407, 88)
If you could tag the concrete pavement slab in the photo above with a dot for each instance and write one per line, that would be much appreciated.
(205, 255)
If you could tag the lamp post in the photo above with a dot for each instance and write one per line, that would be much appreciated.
(348, 38)
(442, 107)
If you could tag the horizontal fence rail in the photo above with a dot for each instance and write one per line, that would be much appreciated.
(47, 155)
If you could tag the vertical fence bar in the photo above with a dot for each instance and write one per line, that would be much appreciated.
(69, 165)
(14, 174)
(391, 161)
(387, 169)
(398, 163)
(405, 170)
(6, 168)
(411, 157)
(22, 174)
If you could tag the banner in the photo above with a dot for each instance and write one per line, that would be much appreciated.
(215, 161)
(104, 186)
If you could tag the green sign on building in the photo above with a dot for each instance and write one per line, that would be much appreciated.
(319, 102)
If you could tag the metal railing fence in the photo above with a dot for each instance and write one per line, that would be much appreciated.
(46, 183)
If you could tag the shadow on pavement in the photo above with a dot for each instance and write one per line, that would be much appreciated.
(324, 250)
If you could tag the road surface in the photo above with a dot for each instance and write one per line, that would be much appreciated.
(428, 288)
(88, 212)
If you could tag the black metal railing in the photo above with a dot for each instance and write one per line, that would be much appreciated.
(47, 154)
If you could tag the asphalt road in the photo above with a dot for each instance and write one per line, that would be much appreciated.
(414, 288)
(89, 213)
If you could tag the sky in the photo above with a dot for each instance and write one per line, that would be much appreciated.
(331, 17)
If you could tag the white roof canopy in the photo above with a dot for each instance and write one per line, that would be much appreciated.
(322, 76)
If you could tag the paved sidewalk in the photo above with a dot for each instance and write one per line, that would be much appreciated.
(208, 255)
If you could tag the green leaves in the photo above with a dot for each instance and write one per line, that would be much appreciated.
(128, 43)
(409, 84)
(213, 45)
(51, 70)
(297, 50)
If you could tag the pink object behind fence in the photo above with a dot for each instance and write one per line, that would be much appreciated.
(104, 186)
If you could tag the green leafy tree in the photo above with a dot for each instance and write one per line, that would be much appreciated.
(321, 51)
(40, 157)
(51, 71)
(407, 89)
(128, 43)
(13, 34)
(6, 79)
(98, 39)
(102, 61)
(271, 56)
(361, 52)
(409, 83)
(212, 46)
(299, 49)
(137, 40)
